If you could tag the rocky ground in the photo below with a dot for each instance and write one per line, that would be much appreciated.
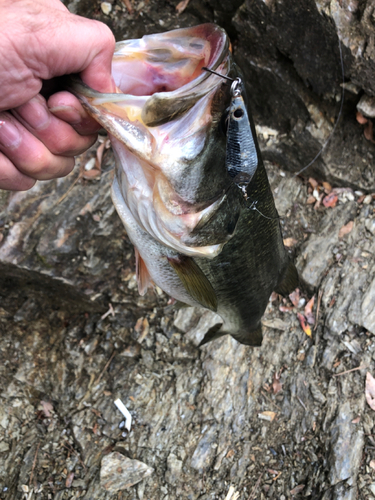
(286, 420)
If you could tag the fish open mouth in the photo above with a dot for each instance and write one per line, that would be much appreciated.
(161, 121)
(167, 62)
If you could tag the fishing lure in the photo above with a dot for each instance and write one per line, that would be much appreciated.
(241, 153)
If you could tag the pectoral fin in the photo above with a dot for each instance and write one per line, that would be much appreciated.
(195, 281)
(289, 280)
(142, 274)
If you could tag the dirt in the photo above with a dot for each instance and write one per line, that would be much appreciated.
(286, 420)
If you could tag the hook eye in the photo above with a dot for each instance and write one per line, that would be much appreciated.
(236, 87)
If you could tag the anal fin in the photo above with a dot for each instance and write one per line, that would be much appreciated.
(195, 281)
(247, 337)
(250, 337)
(289, 280)
(142, 274)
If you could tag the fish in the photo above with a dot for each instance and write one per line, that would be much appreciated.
(190, 185)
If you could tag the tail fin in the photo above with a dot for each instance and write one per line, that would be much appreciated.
(288, 281)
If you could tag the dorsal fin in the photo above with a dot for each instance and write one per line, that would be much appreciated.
(195, 281)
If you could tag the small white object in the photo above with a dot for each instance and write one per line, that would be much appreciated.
(106, 7)
(232, 494)
(128, 418)
(90, 164)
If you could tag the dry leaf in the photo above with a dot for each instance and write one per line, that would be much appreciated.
(370, 390)
(128, 5)
(69, 480)
(330, 200)
(308, 311)
(91, 174)
(372, 464)
(327, 187)
(99, 156)
(267, 415)
(284, 309)
(310, 199)
(360, 118)
(142, 327)
(346, 229)
(314, 184)
(297, 489)
(277, 386)
(369, 132)
(295, 297)
(47, 408)
(356, 420)
(289, 242)
(305, 327)
(181, 6)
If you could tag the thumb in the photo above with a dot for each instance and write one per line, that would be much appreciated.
(97, 74)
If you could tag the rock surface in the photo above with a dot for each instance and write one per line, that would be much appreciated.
(119, 473)
(286, 420)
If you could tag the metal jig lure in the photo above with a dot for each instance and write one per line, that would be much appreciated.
(241, 153)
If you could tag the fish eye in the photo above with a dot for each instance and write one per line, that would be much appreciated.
(238, 113)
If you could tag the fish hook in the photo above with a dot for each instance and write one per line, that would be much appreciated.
(235, 88)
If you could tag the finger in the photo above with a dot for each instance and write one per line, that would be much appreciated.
(67, 107)
(57, 135)
(11, 178)
(28, 154)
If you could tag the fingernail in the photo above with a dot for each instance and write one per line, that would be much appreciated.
(69, 113)
(9, 135)
(35, 113)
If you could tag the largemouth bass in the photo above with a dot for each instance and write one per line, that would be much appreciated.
(200, 235)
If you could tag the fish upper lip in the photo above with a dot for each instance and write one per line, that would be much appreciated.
(212, 56)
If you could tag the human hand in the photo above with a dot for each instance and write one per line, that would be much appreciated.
(41, 40)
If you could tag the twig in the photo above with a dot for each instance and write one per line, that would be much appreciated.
(232, 494)
(360, 367)
(79, 176)
(254, 490)
(302, 403)
(34, 463)
(270, 401)
(110, 311)
(72, 450)
(128, 5)
(320, 294)
(106, 366)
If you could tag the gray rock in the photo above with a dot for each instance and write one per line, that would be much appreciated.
(366, 106)
(174, 469)
(119, 472)
(205, 452)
